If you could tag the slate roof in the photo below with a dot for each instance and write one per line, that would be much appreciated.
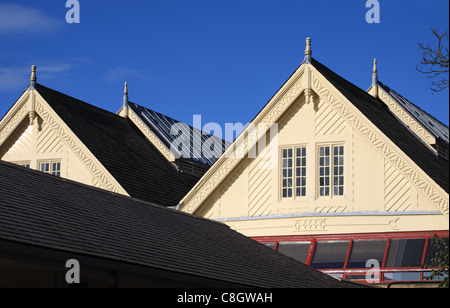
(123, 150)
(50, 212)
(378, 113)
(161, 125)
(435, 127)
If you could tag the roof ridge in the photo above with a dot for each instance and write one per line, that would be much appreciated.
(76, 100)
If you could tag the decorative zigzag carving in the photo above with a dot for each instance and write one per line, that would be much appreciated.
(395, 159)
(100, 178)
(13, 123)
(406, 118)
(227, 161)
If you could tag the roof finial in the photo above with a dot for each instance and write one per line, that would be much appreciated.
(33, 78)
(125, 100)
(375, 73)
(308, 51)
(374, 88)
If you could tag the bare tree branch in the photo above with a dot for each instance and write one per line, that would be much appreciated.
(434, 61)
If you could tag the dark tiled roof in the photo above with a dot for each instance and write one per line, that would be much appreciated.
(161, 125)
(122, 149)
(49, 212)
(435, 127)
(378, 113)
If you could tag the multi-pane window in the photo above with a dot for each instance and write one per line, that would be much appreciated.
(331, 170)
(23, 164)
(396, 257)
(51, 167)
(293, 172)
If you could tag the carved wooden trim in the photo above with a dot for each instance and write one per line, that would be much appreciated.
(88, 160)
(150, 136)
(373, 137)
(406, 118)
(13, 120)
(226, 163)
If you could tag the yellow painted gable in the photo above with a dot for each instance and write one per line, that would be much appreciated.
(48, 139)
(378, 195)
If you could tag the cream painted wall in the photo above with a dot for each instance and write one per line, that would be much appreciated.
(39, 143)
(377, 197)
(48, 138)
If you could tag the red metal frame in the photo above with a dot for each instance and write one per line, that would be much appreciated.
(313, 239)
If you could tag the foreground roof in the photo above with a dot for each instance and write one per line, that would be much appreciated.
(50, 212)
(122, 149)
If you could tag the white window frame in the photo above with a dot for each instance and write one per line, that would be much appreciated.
(26, 164)
(51, 167)
(336, 164)
(295, 174)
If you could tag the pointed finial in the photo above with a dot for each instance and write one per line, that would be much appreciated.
(308, 51)
(374, 88)
(375, 73)
(125, 101)
(33, 78)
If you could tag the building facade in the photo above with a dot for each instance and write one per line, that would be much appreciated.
(349, 176)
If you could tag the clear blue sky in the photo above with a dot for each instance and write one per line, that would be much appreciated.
(221, 59)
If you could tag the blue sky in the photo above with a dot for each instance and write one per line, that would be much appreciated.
(221, 59)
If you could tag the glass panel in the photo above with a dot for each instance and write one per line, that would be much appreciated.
(301, 172)
(286, 173)
(330, 254)
(271, 245)
(338, 171)
(363, 277)
(432, 250)
(435, 278)
(45, 167)
(364, 250)
(56, 167)
(296, 250)
(324, 171)
(405, 253)
(402, 276)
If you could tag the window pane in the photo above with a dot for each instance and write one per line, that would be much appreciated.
(364, 250)
(45, 167)
(432, 250)
(405, 253)
(287, 173)
(298, 251)
(406, 276)
(330, 254)
(56, 167)
(338, 170)
(271, 245)
(324, 170)
(301, 172)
